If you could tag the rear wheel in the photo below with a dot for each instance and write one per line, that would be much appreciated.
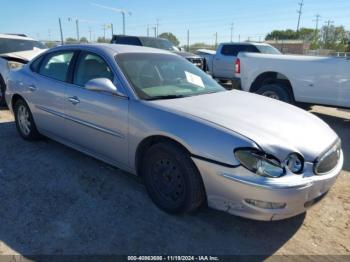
(276, 91)
(24, 121)
(172, 179)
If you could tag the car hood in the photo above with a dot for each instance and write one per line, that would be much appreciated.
(186, 54)
(25, 56)
(277, 127)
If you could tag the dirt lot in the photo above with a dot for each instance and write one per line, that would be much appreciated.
(55, 200)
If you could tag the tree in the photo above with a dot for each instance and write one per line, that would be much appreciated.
(103, 40)
(171, 37)
(335, 38)
(289, 34)
(71, 40)
(83, 40)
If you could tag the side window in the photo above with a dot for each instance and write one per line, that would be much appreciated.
(229, 50)
(35, 64)
(56, 65)
(91, 66)
(250, 49)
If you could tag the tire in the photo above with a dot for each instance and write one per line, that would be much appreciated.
(172, 180)
(277, 92)
(2, 93)
(24, 121)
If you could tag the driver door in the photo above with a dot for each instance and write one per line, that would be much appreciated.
(97, 121)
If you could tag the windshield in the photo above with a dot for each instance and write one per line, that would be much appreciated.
(158, 43)
(165, 76)
(17, 45)
(266, 49)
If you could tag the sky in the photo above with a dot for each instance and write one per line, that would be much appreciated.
(252, 19)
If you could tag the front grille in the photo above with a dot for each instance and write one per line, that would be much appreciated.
(329, 160)
(196, 61)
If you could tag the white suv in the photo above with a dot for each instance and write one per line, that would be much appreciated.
(15, 51)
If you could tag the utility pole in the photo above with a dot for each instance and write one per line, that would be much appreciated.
(188, 40)
(317, 20)
(157, 25)
(90, 31)
(112, 29)
(239, 38)
(77, 28)
(155, 31)
(61, 32)
(329, 22)
(216, 39)
(104, 32)
(232, 26)
(147, 30)
(300, 11)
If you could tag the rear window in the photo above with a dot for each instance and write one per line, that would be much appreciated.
(234, 50)
(17, 45)
(127, 40)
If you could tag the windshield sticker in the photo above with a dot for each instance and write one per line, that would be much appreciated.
(194, 79)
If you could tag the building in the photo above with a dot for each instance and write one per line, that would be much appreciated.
(299, 47)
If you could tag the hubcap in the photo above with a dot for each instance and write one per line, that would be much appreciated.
(168, 180)
(271, 94)
(23, 119)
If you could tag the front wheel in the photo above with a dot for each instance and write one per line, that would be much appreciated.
(24, 121)
(277, 92)
(172, 180)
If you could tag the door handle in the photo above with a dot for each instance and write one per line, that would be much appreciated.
(32, 88)
(74, 100)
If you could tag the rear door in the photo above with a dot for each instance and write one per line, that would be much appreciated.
(46, 90)
(98, 121)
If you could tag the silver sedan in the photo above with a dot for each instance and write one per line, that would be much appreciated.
(154, 114)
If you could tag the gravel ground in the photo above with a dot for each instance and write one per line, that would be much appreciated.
(55, 200)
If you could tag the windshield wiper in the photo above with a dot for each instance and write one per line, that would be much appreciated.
(165, 97)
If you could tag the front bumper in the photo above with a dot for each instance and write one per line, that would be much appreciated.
(228, 189)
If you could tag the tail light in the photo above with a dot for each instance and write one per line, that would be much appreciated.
(238, 66)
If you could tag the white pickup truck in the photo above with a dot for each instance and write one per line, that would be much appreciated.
(294, 78)
(221, 63)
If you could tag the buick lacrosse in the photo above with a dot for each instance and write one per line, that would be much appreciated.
(156, 115)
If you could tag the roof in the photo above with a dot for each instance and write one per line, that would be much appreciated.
(245, 43)
(113, 49)
(14, 36)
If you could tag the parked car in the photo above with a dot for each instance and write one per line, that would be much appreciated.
(15, 51)
(156, 115)
(221, 63)
(296, 78)
(156, 42)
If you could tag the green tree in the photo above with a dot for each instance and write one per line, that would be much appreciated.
(335, 38)
(171, 37)
(71, 40)
(103, 40)
(289, 34)
(83, 40)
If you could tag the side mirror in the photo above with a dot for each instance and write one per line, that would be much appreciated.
(101, 85)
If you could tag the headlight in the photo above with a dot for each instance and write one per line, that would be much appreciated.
(14, 65)
(295, 163)
(259, 162)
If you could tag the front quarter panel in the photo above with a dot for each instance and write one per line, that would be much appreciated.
(199, 137)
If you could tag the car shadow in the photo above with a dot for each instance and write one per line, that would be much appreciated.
(342, 127)
(55, 200)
